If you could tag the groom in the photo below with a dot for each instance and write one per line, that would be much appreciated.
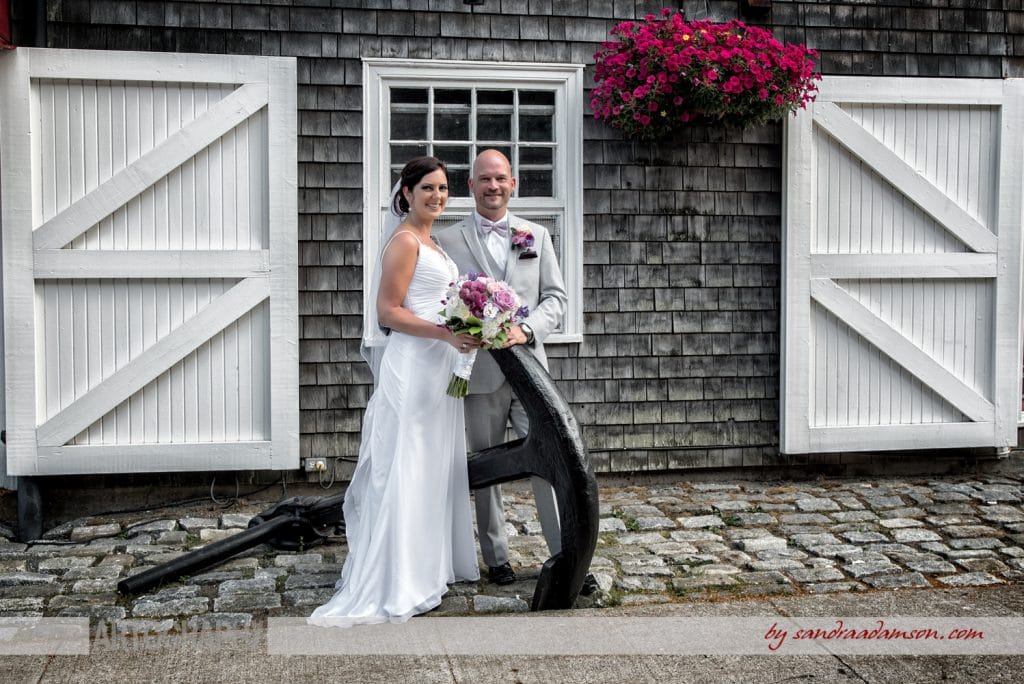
(493, 241)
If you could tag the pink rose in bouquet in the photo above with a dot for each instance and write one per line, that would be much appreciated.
(486, 309)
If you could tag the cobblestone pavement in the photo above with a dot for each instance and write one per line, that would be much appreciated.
(659, 543)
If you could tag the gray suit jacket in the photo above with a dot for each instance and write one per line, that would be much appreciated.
(537, 281)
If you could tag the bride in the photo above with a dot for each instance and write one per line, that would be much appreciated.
(406, 510)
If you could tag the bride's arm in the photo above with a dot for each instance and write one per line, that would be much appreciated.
(397, 267)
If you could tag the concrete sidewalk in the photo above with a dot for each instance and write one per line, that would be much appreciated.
(241, 655)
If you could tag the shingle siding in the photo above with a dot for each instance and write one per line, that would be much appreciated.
(679, 367)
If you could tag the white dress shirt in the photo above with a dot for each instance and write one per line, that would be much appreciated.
(497, 244)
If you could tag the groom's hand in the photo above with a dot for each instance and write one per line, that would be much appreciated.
(515, 336)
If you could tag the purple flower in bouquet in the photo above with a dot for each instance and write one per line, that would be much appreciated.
(485, 308)
(506, 300)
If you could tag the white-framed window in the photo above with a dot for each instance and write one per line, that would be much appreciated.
(455, 109)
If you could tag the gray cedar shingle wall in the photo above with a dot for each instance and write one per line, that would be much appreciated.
(680, 365)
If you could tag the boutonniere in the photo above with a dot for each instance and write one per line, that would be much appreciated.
(522, 241)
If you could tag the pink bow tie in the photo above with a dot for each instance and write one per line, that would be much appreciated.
(500, 227)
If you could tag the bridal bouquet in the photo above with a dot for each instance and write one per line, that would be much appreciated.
(486, 309)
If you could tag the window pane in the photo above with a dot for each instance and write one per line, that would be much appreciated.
(451, 125)
(458, 181)
(494, 97)
(400, 154)
(409, 95)
(535, 128)
(494, 126)
(537, 97)
(535, 183)
(462, 97)
(535, 155)
(453, 154)
(408, 125)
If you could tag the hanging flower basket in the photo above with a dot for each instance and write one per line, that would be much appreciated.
(662, 72)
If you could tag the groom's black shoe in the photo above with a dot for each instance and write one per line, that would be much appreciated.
(589, 585)
(501, 574)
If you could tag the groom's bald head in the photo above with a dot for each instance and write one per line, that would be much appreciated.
(492, 183)
(492, 158)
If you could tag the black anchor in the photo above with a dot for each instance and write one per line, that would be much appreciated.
(553, 449)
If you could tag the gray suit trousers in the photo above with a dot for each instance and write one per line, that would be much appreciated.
(486, 418)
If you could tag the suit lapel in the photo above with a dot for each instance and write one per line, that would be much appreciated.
(513, 255)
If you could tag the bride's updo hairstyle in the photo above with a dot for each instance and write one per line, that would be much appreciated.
(412, 173)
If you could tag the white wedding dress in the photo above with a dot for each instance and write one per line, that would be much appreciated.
(407, 512)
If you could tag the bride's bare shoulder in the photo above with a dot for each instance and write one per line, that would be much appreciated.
(403, 241)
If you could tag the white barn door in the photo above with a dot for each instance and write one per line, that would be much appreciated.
(150, 262)
(901, 260)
